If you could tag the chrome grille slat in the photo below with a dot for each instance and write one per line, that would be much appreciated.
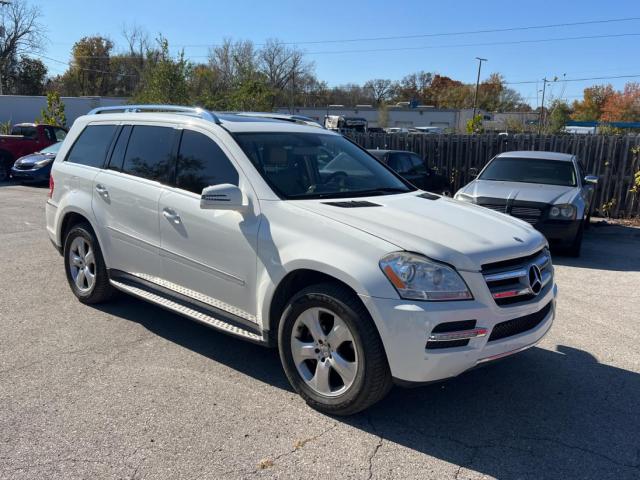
(509, 281)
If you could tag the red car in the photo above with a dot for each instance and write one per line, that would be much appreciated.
(26, 138)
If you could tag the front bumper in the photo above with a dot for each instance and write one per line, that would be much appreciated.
(405, 325)
(559, 232)
(39, 175)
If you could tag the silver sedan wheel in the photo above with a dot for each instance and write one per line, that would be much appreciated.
(82, 264)
(324, 352)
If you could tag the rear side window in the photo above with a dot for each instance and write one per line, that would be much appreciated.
(92, 145)
(201, 163)
(150, 153)
(29, 132)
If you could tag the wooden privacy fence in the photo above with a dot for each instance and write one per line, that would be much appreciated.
(608, 156)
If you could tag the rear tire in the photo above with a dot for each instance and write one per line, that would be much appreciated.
(339, 378)
(85, 267)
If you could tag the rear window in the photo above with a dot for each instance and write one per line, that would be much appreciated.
(92, 145)
(27, 131)
(150, 153)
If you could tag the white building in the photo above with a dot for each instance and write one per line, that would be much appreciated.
(23, 108)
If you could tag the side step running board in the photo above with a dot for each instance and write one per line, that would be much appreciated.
(189, 312)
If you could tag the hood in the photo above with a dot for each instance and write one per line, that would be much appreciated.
(34, 157)
(529, 192)
(461, 234)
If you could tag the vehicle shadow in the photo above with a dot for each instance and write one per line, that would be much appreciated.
(539, 414)
(606, 247)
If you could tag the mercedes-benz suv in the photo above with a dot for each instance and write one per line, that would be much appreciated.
(292, 236)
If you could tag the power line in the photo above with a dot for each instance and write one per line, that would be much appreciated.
(609, 77)
(481, 44)
(442, 34)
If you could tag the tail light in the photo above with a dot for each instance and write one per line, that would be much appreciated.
(50, 185)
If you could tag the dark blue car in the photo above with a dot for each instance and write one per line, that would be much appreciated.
(36, 167)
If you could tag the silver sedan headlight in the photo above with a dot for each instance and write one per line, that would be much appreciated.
(418, 278)
(463, 197)
(563, 212)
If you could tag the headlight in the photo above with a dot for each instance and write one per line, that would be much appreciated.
(418, 278)
(43, 162)
(565, 212)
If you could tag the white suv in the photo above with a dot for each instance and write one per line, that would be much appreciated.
(292, 236)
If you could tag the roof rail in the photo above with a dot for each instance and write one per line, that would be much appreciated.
(195, 111)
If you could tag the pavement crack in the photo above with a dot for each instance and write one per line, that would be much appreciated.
(266, 463)
(375, 448)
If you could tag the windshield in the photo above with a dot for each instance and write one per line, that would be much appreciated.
(310, 165)
(52, 148)
(530, 170)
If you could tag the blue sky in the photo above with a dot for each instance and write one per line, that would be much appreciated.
(200, 22)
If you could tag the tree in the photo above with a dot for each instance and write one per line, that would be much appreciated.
(383, 116)
(21, 34)
(381, 89)
(560, 114)
(30, 77)
(474, 125)
(164, 80)
(591, 106)
(54, 113)
(89, 73)
(623, 106)
(413, 87)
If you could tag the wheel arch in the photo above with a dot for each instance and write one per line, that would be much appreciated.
(71, 217)
(293, 282)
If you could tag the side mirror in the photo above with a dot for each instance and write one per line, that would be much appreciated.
(222, 197)
(592, 179)
(473, 172)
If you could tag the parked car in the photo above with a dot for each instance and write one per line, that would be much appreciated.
(35, 168)
(393, 130)
(414, 169)
(26, 138)
(357, 277)
(341, 122)
(428, 130)
(545, 189)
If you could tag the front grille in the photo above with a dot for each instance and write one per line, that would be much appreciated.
(521, 279)
(528, 214)
(519, 325)
(502, 208)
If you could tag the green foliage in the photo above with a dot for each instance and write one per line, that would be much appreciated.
(608, 207)
(54, 113)
(164, 80)
(560, 114)
(474, 125)
(5, 127)
(635, 187)
(383, 115)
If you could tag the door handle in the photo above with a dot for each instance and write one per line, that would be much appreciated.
(171, 215)
(102, 191)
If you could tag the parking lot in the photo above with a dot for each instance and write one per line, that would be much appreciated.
(128, 390)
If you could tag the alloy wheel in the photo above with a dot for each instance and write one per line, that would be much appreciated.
(324, 353)
(82, 264)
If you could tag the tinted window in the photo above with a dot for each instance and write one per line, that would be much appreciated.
(317, 165)
(92, 145)
(201, 163)
(418, 166)
(530, 170)
(28, 132)
(400, 162)
(120, 148)
(149, 152)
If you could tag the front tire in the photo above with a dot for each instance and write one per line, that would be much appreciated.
(331, 351)
(85, 267)
(576, 246)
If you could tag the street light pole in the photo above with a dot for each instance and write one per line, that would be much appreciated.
(475, 96)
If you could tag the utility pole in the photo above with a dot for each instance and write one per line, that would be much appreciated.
(541, 117)
(475, 96)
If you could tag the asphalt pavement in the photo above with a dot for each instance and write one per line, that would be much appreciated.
(128, 390)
